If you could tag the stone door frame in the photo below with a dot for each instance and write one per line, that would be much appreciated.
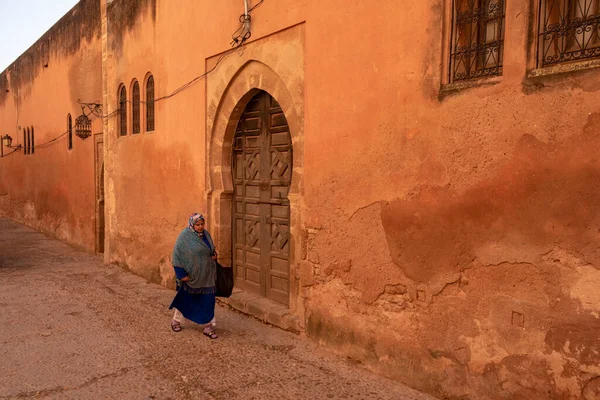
(222, 119)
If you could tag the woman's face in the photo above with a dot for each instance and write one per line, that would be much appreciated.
(199, 226)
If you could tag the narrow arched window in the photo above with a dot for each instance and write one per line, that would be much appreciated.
(70, 131)
(150, 104)
(32, 140)
(123, 111)
(28, 141)
(135, 99)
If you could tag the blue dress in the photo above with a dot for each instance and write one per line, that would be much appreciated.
(197, 305)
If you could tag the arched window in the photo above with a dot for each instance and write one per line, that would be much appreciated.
(150, 104)
(32, 140)
(70, 131)
(135, 99)
(123, 111)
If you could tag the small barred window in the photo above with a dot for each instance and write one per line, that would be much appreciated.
(477, 39)
(135, 98)
(150, 104)
(568, 31)
(123, 111)
(70, 132)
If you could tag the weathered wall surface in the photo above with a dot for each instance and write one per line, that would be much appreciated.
(53, 189)
(449, 238)
(153, 179)
(454, 240)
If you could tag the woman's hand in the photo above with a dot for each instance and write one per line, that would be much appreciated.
(214, 256)
(185, 279)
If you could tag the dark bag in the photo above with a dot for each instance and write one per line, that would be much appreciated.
(224, 281)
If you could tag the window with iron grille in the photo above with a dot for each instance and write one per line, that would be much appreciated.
(28, 151)
(150, 104)
(32, 140)
(477, 39)
(135, 106)
(123, 112)
(24, 141)
(568, 31)
(70, 131)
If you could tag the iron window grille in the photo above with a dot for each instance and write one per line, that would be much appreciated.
(135, 97)
(477, 41)
(28, 141)
(24, 141)
(568, 31)
(123, 111)
(32, 140)
(150, 104)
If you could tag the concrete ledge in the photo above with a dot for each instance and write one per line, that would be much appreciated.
(266, 310)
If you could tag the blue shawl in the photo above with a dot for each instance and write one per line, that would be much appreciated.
(194, 255)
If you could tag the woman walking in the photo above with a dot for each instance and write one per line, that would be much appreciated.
(194, 260)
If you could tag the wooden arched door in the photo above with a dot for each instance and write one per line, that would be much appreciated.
(262, 173)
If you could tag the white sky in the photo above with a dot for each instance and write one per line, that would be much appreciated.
(22, 22)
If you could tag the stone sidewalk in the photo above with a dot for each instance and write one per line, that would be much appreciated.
(73, 328)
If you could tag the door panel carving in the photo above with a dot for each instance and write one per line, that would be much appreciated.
(262, 174)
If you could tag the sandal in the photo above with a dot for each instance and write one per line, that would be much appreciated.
(176, 326)
(210, 333)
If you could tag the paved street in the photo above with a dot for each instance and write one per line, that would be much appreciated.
(72, 328)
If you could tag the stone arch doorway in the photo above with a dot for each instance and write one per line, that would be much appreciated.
(261, 175)
(228, 93)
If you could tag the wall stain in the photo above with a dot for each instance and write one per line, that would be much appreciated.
(547, 194)
(123, 16)
(498, 266)
(4, 87)
(65, 38)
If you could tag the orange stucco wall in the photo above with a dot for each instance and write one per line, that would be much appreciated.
(445, 236)
(53, 189)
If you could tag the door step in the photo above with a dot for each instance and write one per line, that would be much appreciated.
(264, 309)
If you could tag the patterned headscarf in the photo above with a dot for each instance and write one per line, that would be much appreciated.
(193, 219)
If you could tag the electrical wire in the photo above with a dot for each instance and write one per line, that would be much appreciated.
(50, 141)
(175, 92)
(186, 85)
(236, 45)
(241, 35)
(42, 145)
(256, 5)
(94, 109)
(8, 154)
(238, 40)
(236, 35)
